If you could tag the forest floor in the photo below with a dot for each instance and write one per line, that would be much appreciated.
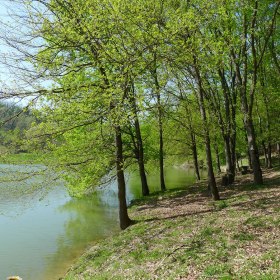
(183, 234)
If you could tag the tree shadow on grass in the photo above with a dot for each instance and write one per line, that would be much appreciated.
(262, 203)
(177, 216)
(195, 200)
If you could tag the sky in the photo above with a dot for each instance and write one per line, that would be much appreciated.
(4, 17)
(8, 80)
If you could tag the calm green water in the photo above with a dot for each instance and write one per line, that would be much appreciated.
(43, 230)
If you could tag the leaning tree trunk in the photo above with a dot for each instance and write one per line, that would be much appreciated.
(123, 215)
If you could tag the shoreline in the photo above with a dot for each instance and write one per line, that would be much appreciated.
(183, 234)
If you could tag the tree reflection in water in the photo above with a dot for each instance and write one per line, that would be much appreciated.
(89, 220)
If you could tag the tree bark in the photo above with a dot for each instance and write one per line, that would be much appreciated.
(228, 125)
(237, 162)
(139, 146)
(233, 151)
(161, 156)
(160, 123)
(249, 159)
(269, 158)
(242, 75)
(278, 151)
(229, 165)
(141, 164)
(211, 178)
(123, 214)
(265, 154)
(217, 158)
(253, 150)
(195, 157)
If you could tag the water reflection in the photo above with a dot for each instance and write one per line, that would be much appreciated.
(174, 178)
(43, 233)
(88, 221)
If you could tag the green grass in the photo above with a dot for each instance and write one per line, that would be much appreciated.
(256, 222)
(221, 204)
(182, 233)
(243, 236)
(220, 270)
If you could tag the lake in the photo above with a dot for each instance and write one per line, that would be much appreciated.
(44, 230)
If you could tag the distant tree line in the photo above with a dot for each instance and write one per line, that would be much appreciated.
(15, 121)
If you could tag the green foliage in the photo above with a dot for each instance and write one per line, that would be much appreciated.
(113, 63)
(15, 121)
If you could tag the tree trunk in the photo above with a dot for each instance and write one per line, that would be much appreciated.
(253, 151)
(249, 159)
(160, 116)
(139, 146)
(211, 178)
(228, 124)
(237, 163)
(242, 75)
(278, 152)
(269, 158)
(195, 158)
(229, 165)
(145, 188)
(161, 157)
(217, 158)
(123, 215)
(233, 151)
(265, 154)
(141, 164)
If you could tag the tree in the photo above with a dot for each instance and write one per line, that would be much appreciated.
(90, 80)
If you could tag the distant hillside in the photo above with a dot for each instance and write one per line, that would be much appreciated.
(14, 120)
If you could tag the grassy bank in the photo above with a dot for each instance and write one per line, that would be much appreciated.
(183, 234)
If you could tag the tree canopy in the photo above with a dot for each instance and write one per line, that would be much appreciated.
(148, 82)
